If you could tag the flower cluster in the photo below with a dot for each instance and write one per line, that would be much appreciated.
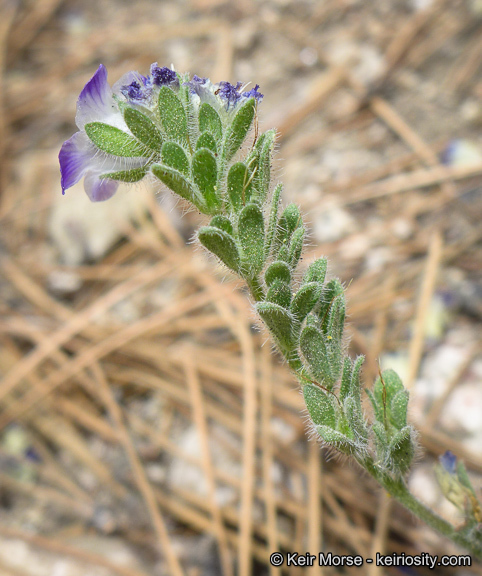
(122, 130)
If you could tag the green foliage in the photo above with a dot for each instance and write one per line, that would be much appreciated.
(316, 271)
(279, 293)
(134, 175)
(176, 181)
(277, 271)
(291, 219)
(239, 185)
(248, 235)
(279, 321)
(261, 162)
(238, 129)
(273, 220)
(223, 223)
(394, 438)
(305, 300)
(296, 247)
(172, 116)
(314, 348)
(114, 141)
(337, 439)
(222, 245)
(331, 290)
(206, 140)
(401, 450)
(320, 405)
(143, 129)
(173, 155)
(251, 239)
(209, 121)
(205, 176)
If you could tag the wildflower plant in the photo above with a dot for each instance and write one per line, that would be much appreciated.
(196, 138)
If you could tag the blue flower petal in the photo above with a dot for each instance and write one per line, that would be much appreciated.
(449, 462)
(95, 101)
(75, 158)
(99, 189)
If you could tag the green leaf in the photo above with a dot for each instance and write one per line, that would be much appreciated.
(386, 387)
(114, 141)
(314, 349)
(355, 376)
(337, 439)
(463, 477)
(251, 239)
(320, 405)
(205, 174)
(377, 409)
(345, 386)
(262, 180)
(273, 219)
(402, 450)
(292, 217)
(350, 380)
(279, 321)
(305, 299)
(133, 175)
(174, 180)
(279, 293)
(282, 253)
(398, 409)
(172, 116)
(238, 129)
(331, 290)
(296, 247)
(174, 156)
(221, 244)
(206, 140)
(143, 129)
(316, 271)
(223, 223)
(239, 185)
(355, 419)
(336, 317)
(277, 271)
(209, 121)
(381, 439)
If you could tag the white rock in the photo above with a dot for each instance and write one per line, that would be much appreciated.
(463, 410)
(331, 223)
(82, 230)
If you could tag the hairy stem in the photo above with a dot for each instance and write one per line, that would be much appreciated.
(398, 489)
(256, 288)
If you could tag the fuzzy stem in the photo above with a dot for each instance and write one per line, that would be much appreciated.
(398, 489)
(256, 288)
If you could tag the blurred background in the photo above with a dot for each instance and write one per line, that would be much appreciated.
(146, 427)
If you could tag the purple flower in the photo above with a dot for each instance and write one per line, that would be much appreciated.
(228, 95)
(199, 85)
(233, 95)
(253, 93)
(229, 92)
(163, 76)
(79, 157)
(448, 460)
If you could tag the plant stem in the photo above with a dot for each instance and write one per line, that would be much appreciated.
(255, 288)
(398, 489)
